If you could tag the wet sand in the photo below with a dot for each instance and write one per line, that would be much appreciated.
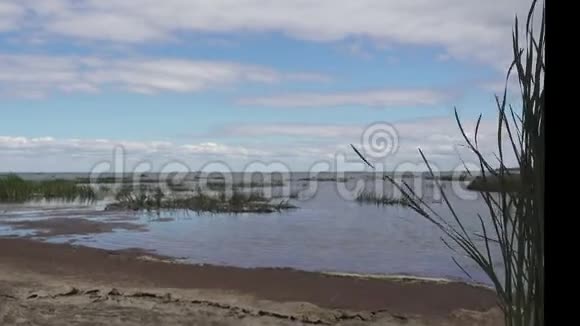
(70, 226)
(394, 298)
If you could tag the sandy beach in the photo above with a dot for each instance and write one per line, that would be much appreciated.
(56, 284)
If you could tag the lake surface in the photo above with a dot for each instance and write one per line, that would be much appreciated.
(328, 232)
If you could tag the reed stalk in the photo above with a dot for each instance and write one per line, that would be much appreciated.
(515, 214)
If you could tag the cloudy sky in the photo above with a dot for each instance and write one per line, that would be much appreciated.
(246, 81)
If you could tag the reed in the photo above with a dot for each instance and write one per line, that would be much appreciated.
(515, 216)
(368, 197)
(237, 202)
(294, 194)
(324, 179)
(115, 180)
(221, 185)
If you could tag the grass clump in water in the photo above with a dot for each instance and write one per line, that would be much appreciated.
(367, 197)
(324, 179)
(237, 202)
(221, 185)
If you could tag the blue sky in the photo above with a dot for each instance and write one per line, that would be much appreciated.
(239, 81)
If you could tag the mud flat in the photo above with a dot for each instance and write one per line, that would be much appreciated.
(60, 283)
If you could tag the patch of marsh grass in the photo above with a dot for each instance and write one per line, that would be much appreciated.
(368, 197)
(15, 189)
(200, 201)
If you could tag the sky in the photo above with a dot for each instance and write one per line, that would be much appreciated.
(249, 84)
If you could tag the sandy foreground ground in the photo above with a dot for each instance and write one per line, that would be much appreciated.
(59, 284)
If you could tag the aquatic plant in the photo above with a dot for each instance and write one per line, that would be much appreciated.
(237, 202)
(369, 197)
(118, 179)
(515, 215)
(15, 189)
(324, 179)
(221, 185)
(294, 194)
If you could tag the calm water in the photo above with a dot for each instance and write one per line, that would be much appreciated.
(326, 233)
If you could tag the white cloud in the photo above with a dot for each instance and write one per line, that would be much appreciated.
(372, 98)
(289, 130)
(357, 49)
(443, 57)
(104, 147)
(99, 147)
(430, 129)
(497, 87)
(211, 148)
(107, 26)
(10, 16)
(466, 29)
(309, 77)
(439, 138)
(35, 76)
(40, 145)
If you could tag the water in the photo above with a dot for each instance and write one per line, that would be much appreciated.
(326, 233)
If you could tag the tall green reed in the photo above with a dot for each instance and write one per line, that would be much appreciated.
(515, 214)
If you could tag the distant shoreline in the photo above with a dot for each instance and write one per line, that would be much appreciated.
(299, 175)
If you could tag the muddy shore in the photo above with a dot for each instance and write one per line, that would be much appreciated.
(65, 264)
(71, 226)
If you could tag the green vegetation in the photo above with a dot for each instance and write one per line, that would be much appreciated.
(218, 186)
(367, 197)
(238, 202)
(216, 183)
(114, 180)
(16, 190)
(322, 179)
(294, 194)
(515, 219)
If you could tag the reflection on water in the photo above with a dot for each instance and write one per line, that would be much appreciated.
(326, 233)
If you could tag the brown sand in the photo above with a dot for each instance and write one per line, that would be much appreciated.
(396, 300)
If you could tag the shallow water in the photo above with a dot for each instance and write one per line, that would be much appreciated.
(326, 233)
